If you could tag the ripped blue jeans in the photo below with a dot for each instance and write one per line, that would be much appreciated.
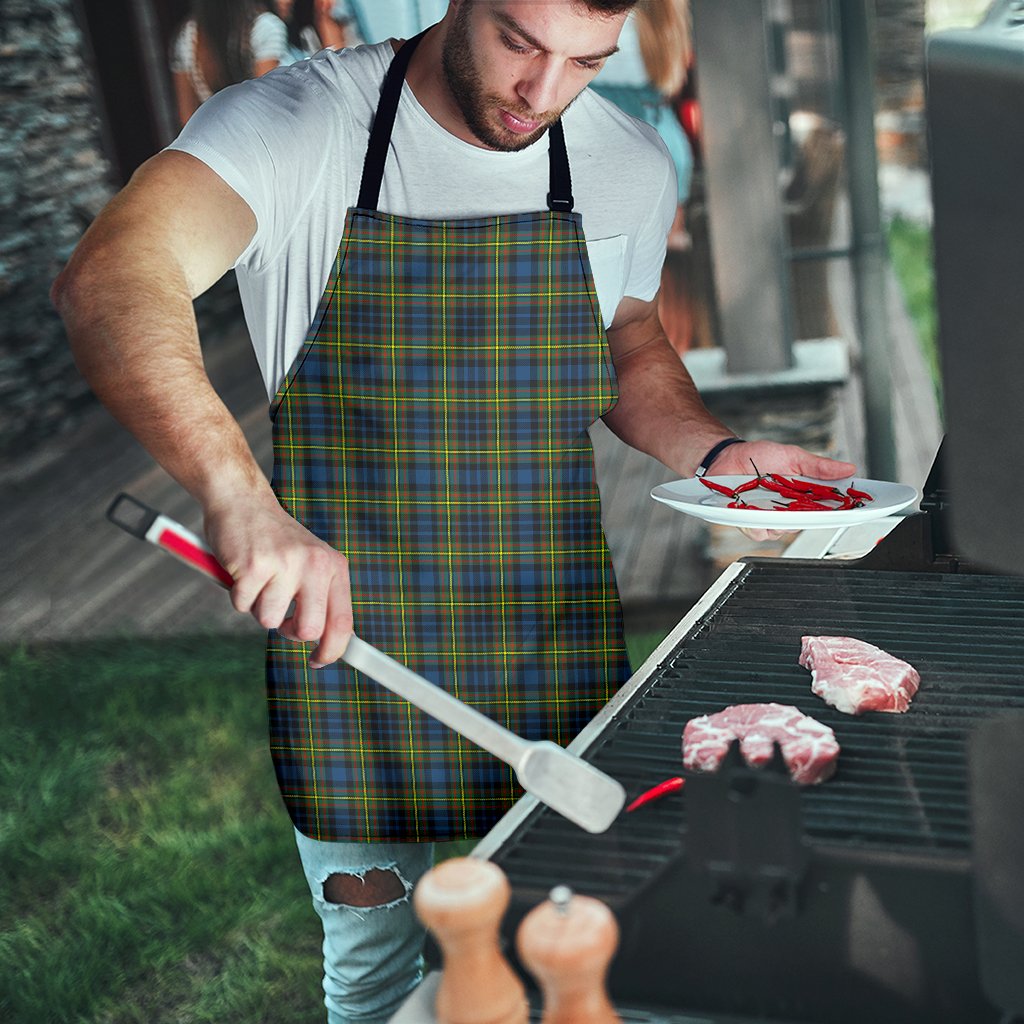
(373, 954)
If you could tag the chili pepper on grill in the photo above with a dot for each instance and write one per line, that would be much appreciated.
(656, 793)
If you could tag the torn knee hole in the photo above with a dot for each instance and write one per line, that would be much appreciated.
(372, 889)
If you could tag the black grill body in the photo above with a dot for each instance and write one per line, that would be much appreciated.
(745, 896)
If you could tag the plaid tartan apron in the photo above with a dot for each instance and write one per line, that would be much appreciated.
(434, 429)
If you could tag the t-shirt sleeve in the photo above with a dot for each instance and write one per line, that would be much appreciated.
(269, 140)
(652, 235)
(269, 38)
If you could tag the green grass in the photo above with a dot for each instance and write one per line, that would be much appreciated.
(147, 867)
(910, 248)
(641, 645)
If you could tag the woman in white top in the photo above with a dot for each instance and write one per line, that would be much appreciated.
(313, 25)
(224, 42)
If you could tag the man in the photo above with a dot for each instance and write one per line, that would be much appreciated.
(432, 380)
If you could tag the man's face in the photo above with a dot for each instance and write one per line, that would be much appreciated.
(513, 66)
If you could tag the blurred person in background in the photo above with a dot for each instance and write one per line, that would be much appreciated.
(221, 43)
(647, 75)
(372, 21)
(645, 78)
(314, 25)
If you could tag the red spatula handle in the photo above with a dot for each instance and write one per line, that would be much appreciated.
(147, 524)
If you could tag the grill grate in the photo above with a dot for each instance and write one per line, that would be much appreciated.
(901, 787)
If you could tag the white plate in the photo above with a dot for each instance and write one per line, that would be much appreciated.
(693, 498)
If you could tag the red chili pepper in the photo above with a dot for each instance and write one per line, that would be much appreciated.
(656, 793)
(809, 487)
(721, 488)
(793, 485)
(808, 505)
(862, 495)
(770, 484)
(787, 492)
(749, 485)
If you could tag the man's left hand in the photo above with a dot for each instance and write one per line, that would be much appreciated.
(772, 457)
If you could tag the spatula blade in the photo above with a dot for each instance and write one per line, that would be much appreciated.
(574, 788)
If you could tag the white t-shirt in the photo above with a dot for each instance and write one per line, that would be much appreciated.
(292, 144)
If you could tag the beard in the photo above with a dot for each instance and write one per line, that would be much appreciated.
(477, 106)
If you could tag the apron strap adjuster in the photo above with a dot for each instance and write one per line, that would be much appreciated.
(560, 205)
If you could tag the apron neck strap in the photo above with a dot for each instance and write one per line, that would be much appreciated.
(560, 194)
(560, 184)
(383, 122)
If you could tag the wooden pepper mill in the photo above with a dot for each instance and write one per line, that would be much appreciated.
(462, 901)
(567, 943)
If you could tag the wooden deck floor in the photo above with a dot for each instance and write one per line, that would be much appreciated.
(69, 574)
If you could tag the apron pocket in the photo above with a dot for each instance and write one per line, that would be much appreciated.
(608, 266)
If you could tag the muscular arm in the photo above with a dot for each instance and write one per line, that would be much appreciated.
(126, 300)
(660, 412)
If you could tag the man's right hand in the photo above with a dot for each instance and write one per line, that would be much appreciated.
(126, 299)
(285, 577)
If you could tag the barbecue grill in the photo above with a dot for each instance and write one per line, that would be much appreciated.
(747, 897)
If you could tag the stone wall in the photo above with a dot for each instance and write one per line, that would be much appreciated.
(53, 180)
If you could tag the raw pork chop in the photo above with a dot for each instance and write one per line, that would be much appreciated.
(809, 748)
(855, 677)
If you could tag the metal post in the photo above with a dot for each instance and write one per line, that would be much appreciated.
(868, 241)
(154, 63)
(745, 218)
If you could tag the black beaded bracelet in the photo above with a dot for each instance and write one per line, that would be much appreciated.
(705, 463)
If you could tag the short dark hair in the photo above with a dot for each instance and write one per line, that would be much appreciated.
(609, 6)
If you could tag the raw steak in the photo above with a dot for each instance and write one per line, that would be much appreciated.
(855, 677)
(809, 748)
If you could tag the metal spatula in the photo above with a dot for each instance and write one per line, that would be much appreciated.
(567, 784)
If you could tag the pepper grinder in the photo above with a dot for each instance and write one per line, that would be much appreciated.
(462, 901)
(567, 943)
